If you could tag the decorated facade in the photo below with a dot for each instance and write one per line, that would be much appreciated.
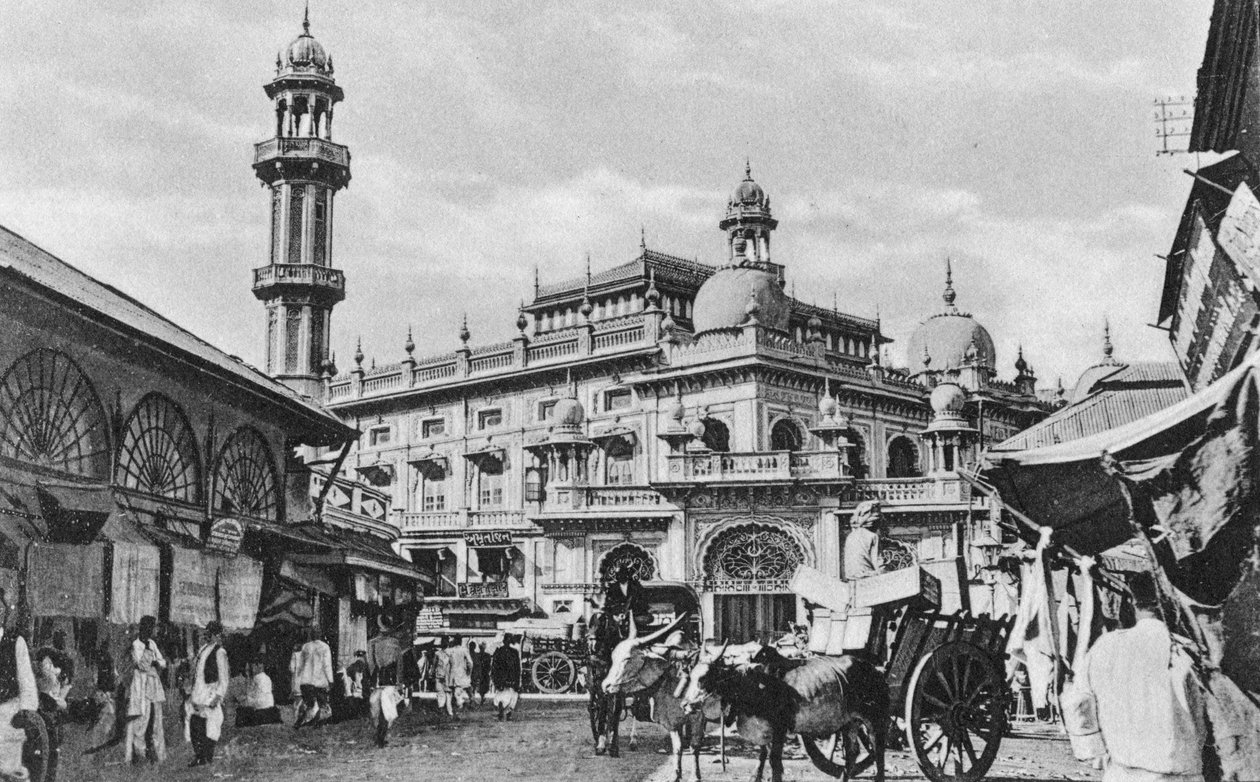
(693, 422)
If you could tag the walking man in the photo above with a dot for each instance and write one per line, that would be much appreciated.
(146, 697)
(442, 677)
(314, 678)
(461, 673)
(481, 673)
(1148, 701)
(505, 675)
(203, 711)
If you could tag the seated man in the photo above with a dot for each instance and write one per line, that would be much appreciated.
(258, 706)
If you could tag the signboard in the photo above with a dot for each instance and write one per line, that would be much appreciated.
(226, 536)
(1239, 233)
(492, 589)
(193, 587)
(430, 618)
(488, 538)
(240, 587)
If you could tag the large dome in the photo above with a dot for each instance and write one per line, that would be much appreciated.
(722, 302)
(947, 339)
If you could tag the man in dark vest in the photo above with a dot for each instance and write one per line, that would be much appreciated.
(203, 711)
(505, 675)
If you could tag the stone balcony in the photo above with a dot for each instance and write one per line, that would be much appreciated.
(279, 278)
(911, 492)
(563, 499)
(312, 148)
(756, 467)
(463, 519)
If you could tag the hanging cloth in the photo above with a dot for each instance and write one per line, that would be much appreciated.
(1031, 642)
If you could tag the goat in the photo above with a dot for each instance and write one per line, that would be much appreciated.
(649, 667)
(820, 697)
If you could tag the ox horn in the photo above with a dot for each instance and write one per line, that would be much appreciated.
(722, 651)
(664, 631)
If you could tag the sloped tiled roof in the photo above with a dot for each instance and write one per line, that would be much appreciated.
(1132, 392)
(24, 259)
(669, 268)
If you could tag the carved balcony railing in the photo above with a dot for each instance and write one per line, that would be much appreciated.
(595, 498)
(911, 491)
(463, 519)
(316, 148)
(740, 467)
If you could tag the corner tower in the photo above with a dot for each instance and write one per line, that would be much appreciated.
(304, 170)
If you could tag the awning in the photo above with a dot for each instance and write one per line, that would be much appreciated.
(339, 546)
(1189, 469)
(484, 451)
(428, 458)
(378, 474)
(73, 513)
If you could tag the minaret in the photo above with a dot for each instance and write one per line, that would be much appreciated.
(304, 170)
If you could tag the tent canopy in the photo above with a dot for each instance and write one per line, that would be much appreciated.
(1067, 488)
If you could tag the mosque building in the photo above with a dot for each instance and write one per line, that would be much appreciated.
(691, 421)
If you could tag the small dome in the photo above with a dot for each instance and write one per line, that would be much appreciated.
(748, 192)
(306, 53)
(568, 412)
(677, 411)
(815, 322)
(722, 301)
(948, 399)
(827, 406)
(696, 427)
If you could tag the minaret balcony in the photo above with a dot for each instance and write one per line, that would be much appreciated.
(304, 154)
(299, 278)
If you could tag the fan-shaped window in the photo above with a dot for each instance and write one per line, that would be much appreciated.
(903, 458)
(634, 558)
(245, 481)
(785, 436)
(753, 552)
(50, 416)
(158, 455)
(716, 436)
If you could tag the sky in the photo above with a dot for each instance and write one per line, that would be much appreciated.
(491, 138)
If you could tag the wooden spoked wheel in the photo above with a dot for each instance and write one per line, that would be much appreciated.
(844, 754)
(956, 712)
(553, 673)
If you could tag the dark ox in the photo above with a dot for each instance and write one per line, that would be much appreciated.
(817, 698)
(652, 667)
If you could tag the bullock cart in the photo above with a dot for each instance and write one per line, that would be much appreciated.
(945, 671)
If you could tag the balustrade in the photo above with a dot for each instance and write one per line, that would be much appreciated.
(756, 466)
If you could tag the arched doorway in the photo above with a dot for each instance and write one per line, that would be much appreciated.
(903, 458)
(716, 436)
(628, 555)
(749, 566)
(785, 435)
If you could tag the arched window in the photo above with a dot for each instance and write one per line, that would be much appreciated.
(158, 454)
(619, 462)
(635, 558)
(785, 436)
(753, 552)
(716, 436)
(858, 463)
(245, 481)
(50, 416)
(903, 458)
(490, 483)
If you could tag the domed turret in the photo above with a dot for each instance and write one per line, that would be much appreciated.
(1103, 369)
(948, 399)
(305, 53)
(569, 412)
(952, 338)
(748, 192)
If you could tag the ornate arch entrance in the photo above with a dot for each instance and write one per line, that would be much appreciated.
(747, 566)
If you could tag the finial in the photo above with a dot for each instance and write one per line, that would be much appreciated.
(753, 306)
(653, 296)
(358, 352)
(410, 344)
(536, 286)
(748, 168)
(927, 359)
(306, 19)
(949, 284)
(1020, 364)
(642, 237)
(464, 334)
(1107, 348)
(588, 270)
(794, 288)
(332, 364)
(521, 320)
(1058, 387)
(835, 302)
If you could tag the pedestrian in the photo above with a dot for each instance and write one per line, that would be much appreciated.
(54, 672)
(385, 659)
(461, 673)
(505, 675)
(203, 710)
(442, 677)
(258, 707)
(482, 673)
(19, 693)
(477, 665)
(295, 693)
(146, 698)
(1146, 698)
(356, 680)
(314, 678)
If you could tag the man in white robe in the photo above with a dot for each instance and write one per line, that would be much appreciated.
(203, 711)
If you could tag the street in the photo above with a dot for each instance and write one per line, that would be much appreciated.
(545, 741)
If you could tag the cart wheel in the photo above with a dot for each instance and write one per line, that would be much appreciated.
(855, 743)
(956, 712)
(553, 673)
(37, 750)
